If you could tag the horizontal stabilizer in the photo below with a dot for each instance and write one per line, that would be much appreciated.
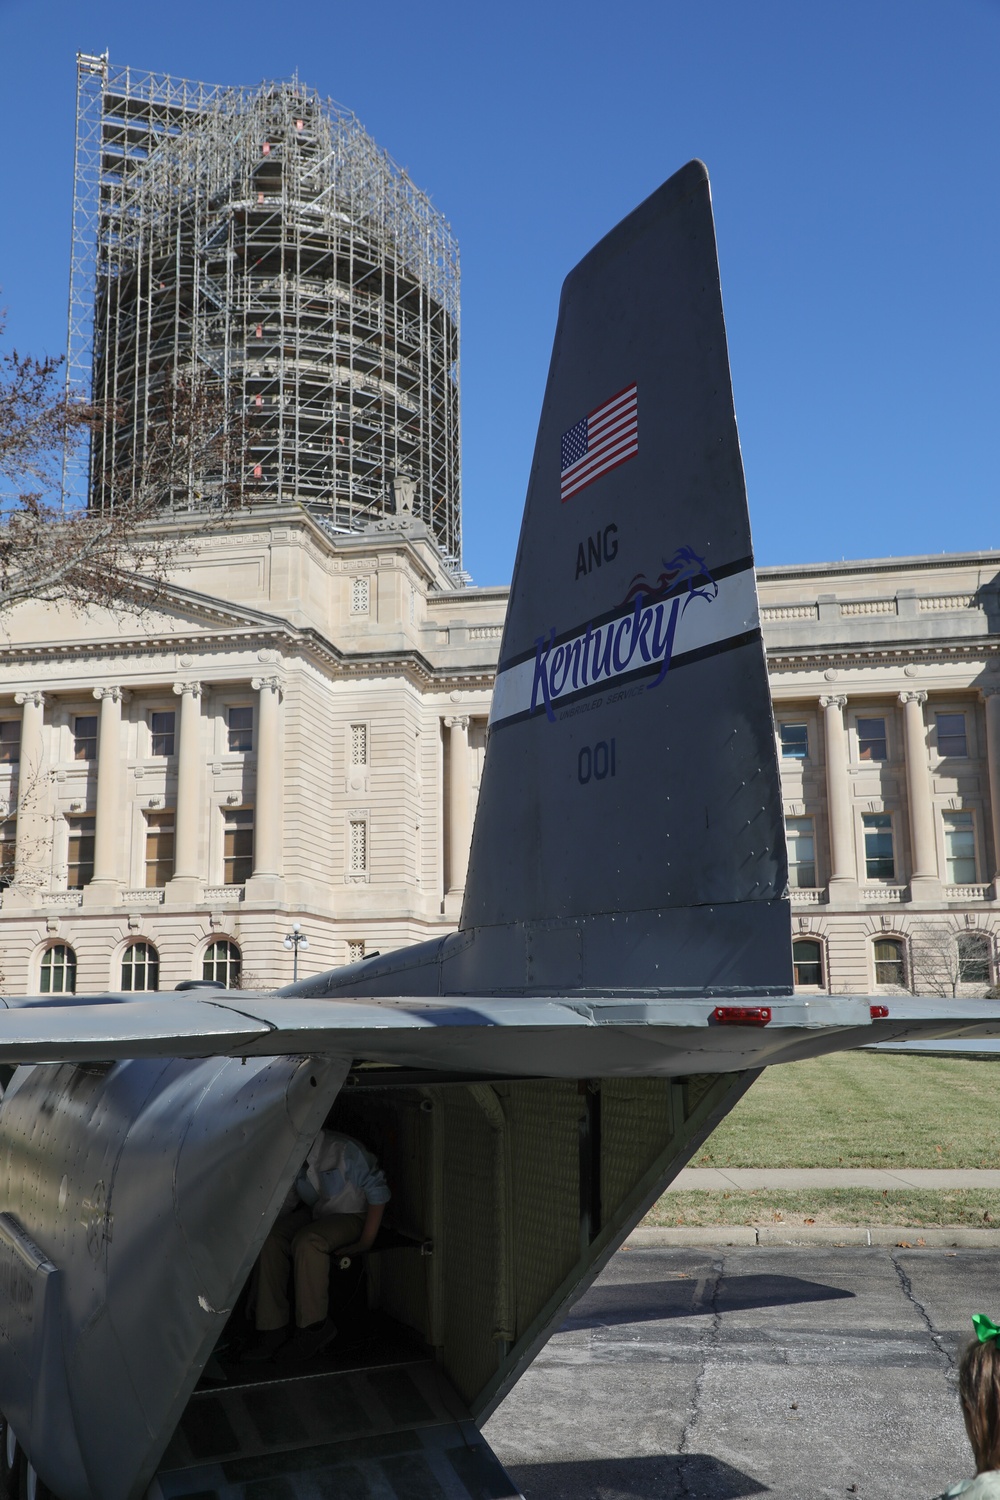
(554, 1038)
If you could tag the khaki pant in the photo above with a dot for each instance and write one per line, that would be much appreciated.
(299, 1240)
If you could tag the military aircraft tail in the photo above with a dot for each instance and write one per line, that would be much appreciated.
(629, 832)
(630, 803)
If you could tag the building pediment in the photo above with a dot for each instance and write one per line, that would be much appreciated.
(175, 616)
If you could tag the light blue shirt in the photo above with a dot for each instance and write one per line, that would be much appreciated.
(983, 1487)
(340, 1177)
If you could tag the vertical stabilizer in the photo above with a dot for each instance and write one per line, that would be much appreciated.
(629, 826)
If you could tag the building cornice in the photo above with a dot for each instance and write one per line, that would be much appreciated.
(275, 635)
(487, 594)
(924, 562)
(969, 648)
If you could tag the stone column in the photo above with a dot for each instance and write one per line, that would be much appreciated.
(843, 884)
(268, 815)
(105, 886)
(184, 886)
(925, 880)
(459, 793)
(33, 852)
(991, 698)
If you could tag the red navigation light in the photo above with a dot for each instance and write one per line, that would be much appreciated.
(879, 1012)
(741, 1015)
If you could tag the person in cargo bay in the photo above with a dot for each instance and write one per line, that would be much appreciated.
(335, 1204)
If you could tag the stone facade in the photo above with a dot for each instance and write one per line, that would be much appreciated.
(297, 733)
(885, 679)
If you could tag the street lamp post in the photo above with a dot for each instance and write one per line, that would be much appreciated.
(293, 941)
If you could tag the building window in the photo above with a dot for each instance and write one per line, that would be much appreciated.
(951, 735)
(239, 722)
(85, 737)
(140, 967)
(880, 861)
(974, 958)
(359, 596)
(161, 733)
(238, 850)
(359, 744)
(81, 852)
(359, 846)
(58, 976)
(355, 951)
(224, 962)
(794, 741)
(801, 843)
(10, 741)
(807, 961)
(8, 851)
(159, 848)
(871, 739)
(960, 848)
(890, 962)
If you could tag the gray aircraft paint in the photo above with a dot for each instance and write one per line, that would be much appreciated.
(152, 1187)
(700, 871)
(615, 897)
(567, 1037)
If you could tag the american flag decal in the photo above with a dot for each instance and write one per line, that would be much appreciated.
(609, 436)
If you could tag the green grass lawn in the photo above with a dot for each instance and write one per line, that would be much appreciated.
(864, 1109)
(854, 1109)
(830, 1206)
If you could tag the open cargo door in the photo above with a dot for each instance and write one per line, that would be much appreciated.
(390, 1429)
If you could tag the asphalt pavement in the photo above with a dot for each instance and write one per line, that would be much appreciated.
(798, 1373)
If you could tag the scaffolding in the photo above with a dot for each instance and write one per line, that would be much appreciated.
(259, 243)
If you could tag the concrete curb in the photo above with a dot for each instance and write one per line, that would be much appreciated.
(648, 1236)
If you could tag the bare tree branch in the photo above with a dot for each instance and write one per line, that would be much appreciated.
(191, 454)
(948, 959)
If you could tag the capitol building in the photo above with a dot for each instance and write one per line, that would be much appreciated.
(296, 734)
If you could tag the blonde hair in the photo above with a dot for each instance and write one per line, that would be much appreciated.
(979, 1392)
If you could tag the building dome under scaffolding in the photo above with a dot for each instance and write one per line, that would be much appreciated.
(256, 243)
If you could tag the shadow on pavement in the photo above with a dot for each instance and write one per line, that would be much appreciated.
(662, 1476)
(649, 1301)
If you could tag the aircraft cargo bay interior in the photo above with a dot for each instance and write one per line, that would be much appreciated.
(503, 1194)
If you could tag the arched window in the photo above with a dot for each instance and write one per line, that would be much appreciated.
(974, 958)
(890, 962)
(807, 960)
(140, 967)
(58, 976)
(223, 961)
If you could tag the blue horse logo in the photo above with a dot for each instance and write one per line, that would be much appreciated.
(684, 567)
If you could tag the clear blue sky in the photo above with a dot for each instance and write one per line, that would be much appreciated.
(853, 148)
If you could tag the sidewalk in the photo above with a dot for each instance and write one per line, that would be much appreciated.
(713, 1236)
(743, 1179)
